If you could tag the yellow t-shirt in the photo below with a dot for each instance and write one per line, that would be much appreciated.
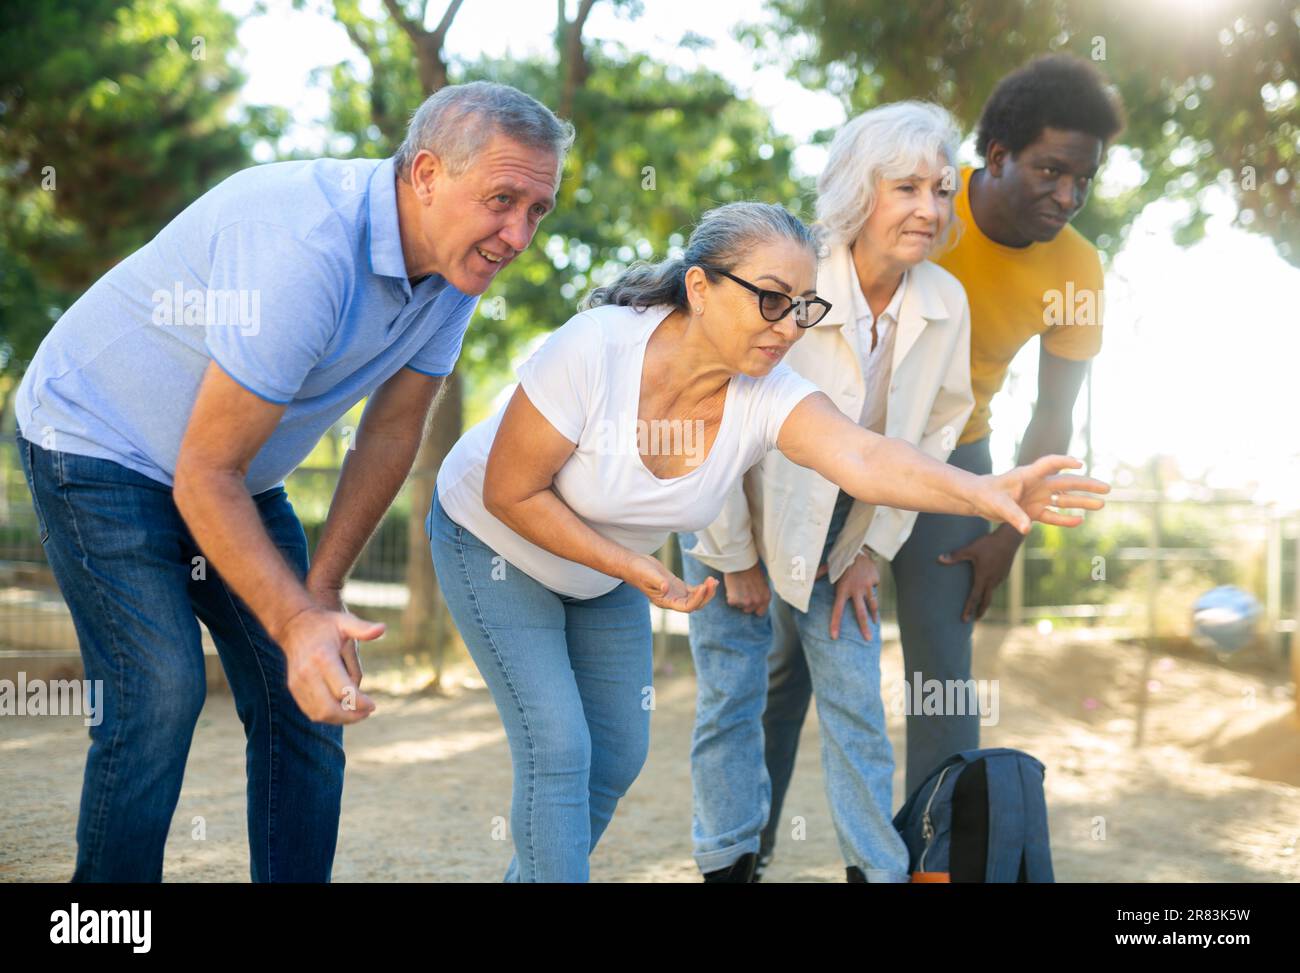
(1051, 289)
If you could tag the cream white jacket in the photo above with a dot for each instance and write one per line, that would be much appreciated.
(780, 511)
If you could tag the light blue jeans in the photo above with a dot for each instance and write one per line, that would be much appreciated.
(572, 680)
(936, 645)
(732, 790)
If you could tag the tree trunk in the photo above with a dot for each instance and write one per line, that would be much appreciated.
(426, 624)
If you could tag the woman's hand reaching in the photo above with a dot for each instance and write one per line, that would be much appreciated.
(1028, 493)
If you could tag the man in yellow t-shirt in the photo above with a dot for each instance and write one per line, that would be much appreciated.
(1027, 273)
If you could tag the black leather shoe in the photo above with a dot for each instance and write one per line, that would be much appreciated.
(742, 870)
(854, 874)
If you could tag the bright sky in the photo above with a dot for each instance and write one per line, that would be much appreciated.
(1201, 344)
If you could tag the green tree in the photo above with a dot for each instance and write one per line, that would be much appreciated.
(655, 146)
(1210, 91)
(114, 116)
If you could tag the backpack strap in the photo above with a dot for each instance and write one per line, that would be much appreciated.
(1038, 848)
(1006, 819)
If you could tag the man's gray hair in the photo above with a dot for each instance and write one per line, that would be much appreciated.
(457, 121)
(890, 142)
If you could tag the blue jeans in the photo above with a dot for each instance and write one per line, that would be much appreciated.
(936, 644)
(572, 680)
(729, 749)
(128, 569)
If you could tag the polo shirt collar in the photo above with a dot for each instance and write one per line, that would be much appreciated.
(386, 257)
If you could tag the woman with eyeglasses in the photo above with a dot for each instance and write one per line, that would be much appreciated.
(634, 419)
(795, 551)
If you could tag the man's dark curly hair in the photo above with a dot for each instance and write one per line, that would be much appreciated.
(1056, 91)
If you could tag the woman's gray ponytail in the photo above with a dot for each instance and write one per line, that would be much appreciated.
(721, 239)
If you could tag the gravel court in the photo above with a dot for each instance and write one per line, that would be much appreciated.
(428, 780)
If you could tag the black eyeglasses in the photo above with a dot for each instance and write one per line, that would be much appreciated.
(774, 305)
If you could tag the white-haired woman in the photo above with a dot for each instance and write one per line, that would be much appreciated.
(798, 555)
(546, 514)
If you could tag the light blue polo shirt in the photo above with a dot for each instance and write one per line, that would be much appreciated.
(289, 276)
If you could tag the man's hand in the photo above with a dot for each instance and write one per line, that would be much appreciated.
(314, 642)
(857, 587)
(990, 557)
(748, 590)
(1036, 486)
(1036, 491)
(330, 596)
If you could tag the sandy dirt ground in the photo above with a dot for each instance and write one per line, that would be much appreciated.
(1212, 796)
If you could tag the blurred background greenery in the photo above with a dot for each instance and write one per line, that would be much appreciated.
(115, 114)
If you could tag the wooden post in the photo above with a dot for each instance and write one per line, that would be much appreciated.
(1295, 632)
(427, 626)
(1273, 578)
(1153, 602)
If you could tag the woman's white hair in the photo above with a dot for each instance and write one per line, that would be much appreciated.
(893, 141)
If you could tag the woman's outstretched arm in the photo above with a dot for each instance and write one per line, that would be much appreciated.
(892, 473)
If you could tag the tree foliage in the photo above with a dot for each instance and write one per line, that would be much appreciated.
(656, 145)
(114, 116)
(1210, 90)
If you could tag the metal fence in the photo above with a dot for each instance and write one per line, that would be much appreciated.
(1136, 568)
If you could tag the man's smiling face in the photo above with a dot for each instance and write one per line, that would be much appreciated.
(472, 225)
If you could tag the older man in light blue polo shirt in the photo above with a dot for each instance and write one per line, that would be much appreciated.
(161, 414)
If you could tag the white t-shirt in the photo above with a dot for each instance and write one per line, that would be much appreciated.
(586, 381)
